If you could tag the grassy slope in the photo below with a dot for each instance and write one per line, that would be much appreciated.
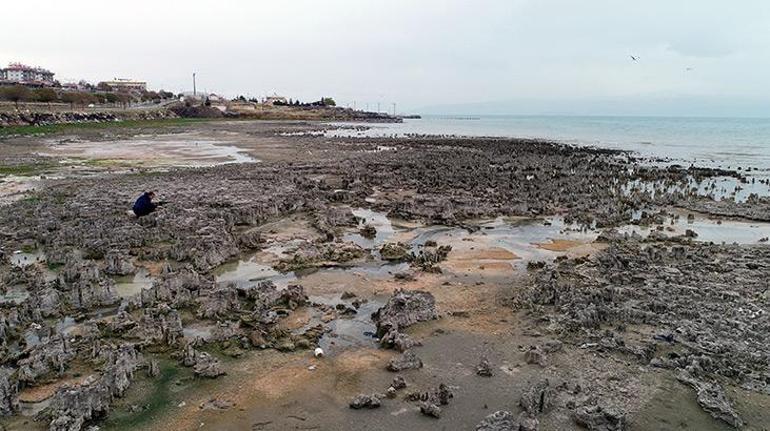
(69, 127)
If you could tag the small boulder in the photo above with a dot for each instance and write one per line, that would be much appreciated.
(406, 361)
(484, 369)
(430, 409)
(363, 401)
(498, 421)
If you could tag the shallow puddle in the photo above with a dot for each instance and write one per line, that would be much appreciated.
(187, 149)
(730, 188)
(21, 259)
(374, 271)
(131, 285)
(14, 295)
(673, 407)
(716, 231)
(356, 330)
(379, 221)
(250, 271)
(198, 330)
(524, 239)
(13, 187)
(717, 188)
(31, 409)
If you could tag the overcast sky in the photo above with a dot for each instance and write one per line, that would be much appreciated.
(557, 55)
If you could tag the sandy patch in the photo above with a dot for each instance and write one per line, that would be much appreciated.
(285, 230)
(559, 245)
(586, 249)
(187, 149)
(41, 393)
(272, 376)
(13, 188)
(297, 319)
(492, 253)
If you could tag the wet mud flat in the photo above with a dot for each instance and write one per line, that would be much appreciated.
(449, 283)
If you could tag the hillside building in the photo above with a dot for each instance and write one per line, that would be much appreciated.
(17, 73)
(119, 84)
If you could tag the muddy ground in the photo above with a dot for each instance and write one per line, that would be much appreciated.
(513, 284)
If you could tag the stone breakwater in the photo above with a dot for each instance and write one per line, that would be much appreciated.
(24, 118)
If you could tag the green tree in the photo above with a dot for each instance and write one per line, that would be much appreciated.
(16, 94)
(70, 97)
(150, 95)
(111, 98)
(78, 98)
(328, 101)
(103, 86)
(86, 98)
(44, 95)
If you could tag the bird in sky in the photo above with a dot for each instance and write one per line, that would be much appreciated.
(634, 58)
(689, 69)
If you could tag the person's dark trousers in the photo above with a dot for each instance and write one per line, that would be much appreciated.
(143, 212)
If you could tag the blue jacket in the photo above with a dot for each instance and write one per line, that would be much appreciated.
(144, 205)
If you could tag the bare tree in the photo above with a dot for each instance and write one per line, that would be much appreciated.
(16, 94)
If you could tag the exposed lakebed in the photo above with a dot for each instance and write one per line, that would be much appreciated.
(485, 272)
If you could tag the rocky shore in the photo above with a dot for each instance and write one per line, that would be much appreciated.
(665, 307)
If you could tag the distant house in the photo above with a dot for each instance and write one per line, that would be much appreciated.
(217, 101)
(17, 73)
(120, 84)
(215, 98)
(275, 100)
(70, 86)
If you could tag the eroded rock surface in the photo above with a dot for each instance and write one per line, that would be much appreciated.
(703, 299)
(600, 418)
(366, 401)
(406, 361)
(670, 284)
(405, 308)
(72, 407)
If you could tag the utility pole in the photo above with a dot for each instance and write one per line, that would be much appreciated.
(378, 107)
(195, 92)
(354, 105)
(394, 109)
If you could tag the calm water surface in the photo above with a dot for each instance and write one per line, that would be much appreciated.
(725, 142)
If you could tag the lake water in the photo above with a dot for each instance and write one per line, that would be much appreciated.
(725, 142)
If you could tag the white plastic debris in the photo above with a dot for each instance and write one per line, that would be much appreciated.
(318, 353)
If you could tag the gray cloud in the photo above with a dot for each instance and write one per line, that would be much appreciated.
(422, 53)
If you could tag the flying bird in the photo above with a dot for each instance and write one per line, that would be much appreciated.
(689, 69)
(634, 58)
